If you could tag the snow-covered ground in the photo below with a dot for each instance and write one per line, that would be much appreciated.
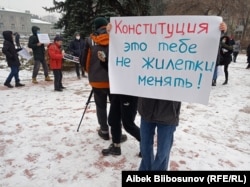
(40, 145)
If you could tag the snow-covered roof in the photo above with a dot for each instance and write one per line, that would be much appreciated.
(13, 10)
(39, 21)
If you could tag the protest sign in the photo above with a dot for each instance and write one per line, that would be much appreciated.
(164, 57)
(43, 38)
(24, 53)
(71, 58)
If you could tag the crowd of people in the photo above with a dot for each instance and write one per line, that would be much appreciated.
(158, 117)
(39, 52)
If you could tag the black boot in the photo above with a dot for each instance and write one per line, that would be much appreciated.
(8, 85)
(104, 136)
(19, 84)
(224, 83)
(214, 83)
(113, 149)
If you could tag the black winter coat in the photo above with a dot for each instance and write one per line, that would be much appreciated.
(76, 47)
(9, 49)
(226, 51)
(248, 50)
(38, 51)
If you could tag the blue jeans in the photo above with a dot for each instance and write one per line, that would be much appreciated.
(215, 73)
(165, 137)
(14, 72)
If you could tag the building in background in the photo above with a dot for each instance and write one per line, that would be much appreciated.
(22, 22)
(15, 21)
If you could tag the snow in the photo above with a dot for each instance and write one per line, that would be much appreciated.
(39, 21)
(40, 145)
(11, 10)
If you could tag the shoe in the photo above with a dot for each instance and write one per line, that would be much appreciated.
(214, 83)
(8, 85)
(224, 83)
(19, 84)
(48, 79)
(62, 87)
(112, 150)
(34, 81)
(84, 76)
(104, 136)
(124, 138)
(58, 90)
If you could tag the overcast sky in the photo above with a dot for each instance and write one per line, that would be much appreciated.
(34, 6)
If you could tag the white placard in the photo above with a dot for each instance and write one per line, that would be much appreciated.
(43, 38)
(164, 57)
(71, 58)
(24, 53)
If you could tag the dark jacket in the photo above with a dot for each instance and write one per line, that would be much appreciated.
(159, 111)
(38, 51)
(17, 39)
(9, 49)
(76, 47)
(97, 70)
(248, 54)
(226, 50)
(248, 50)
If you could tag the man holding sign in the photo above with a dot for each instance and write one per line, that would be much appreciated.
(38, 50)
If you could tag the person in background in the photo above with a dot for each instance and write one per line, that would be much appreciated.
(12, 59)
(98, 73)
(226, 51)
(39, 55)
(248, 56)
(160, 117)
(55, 61)
(75, 47)
(219, 62)
(231, 40)
(236, 50)
(17, 40)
